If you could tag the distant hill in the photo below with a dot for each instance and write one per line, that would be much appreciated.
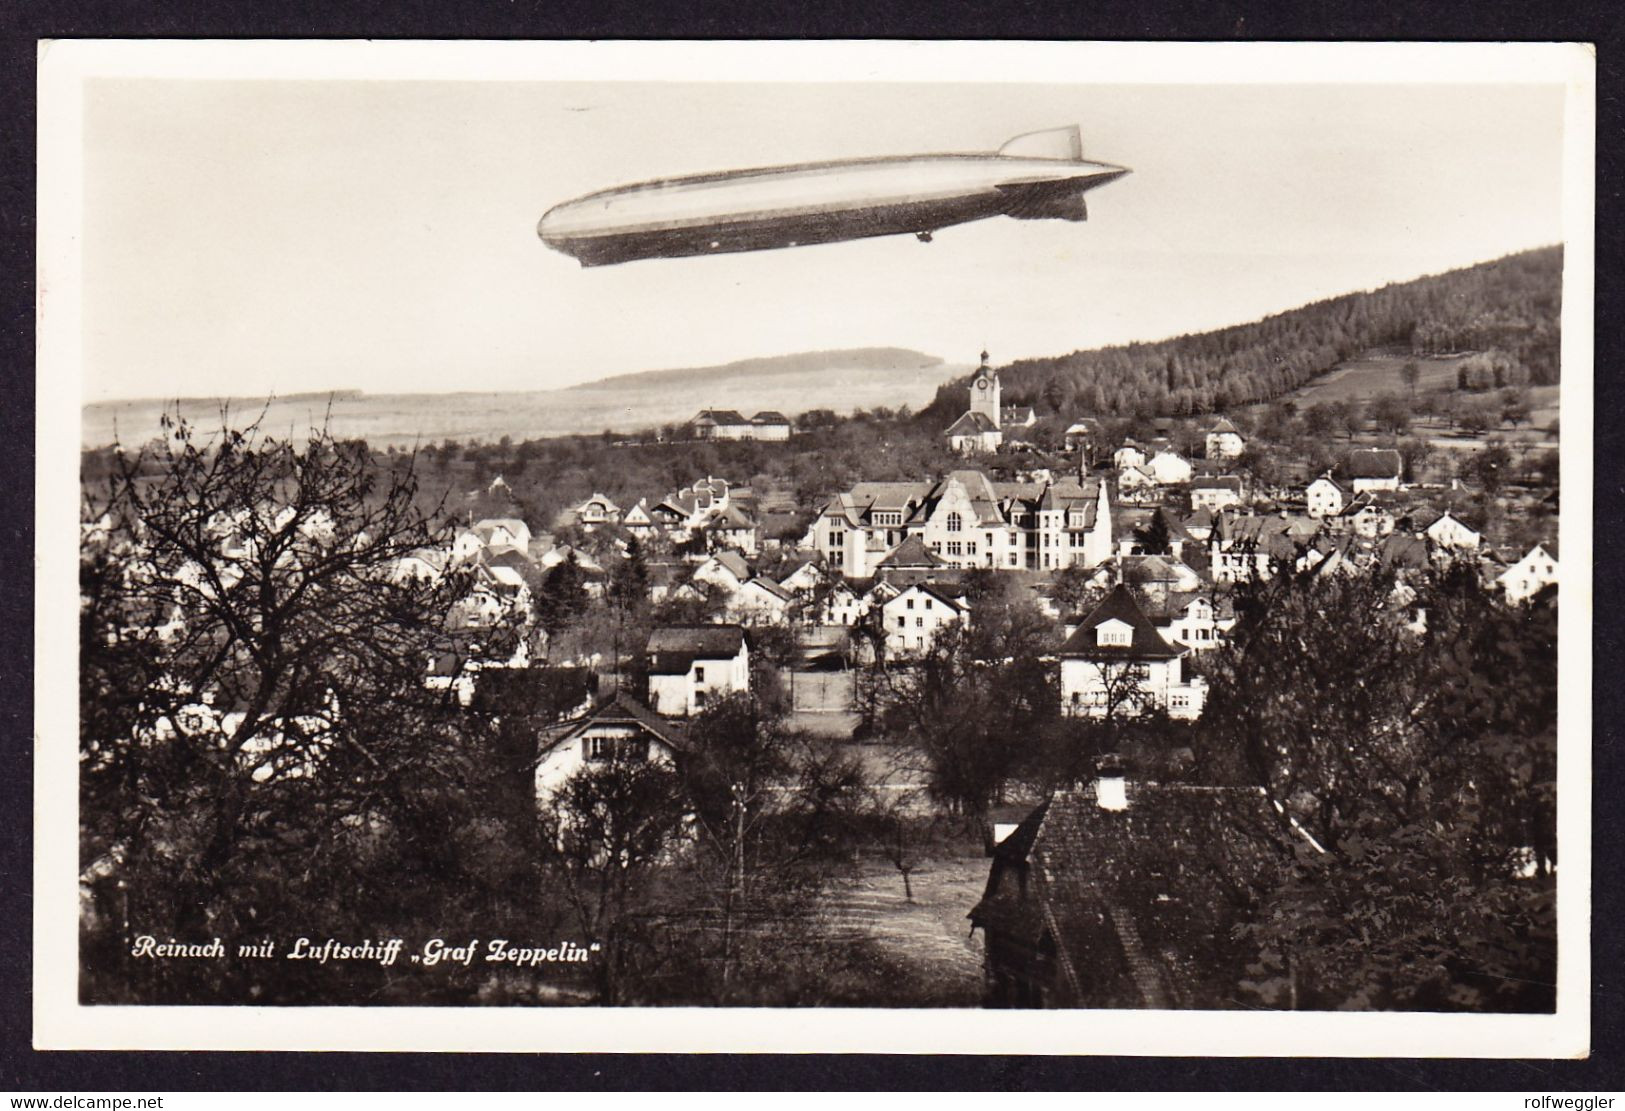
(1511, 304)
(842, 381)
(878, 359)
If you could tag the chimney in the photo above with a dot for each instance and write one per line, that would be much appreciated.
(1111, 788)
(1111, 791)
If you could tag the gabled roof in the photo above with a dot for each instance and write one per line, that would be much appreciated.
(1222, 425)
(673, 649)
(1128, 897)
(912, 552)
(1083, 424)
(971, 424)
(941, 592)
(1218, 482)
(1344, 490)
(1017, 413)
(770, 416)
(772, 588)
(719, 416)
(731, 518)
(623, 709)
(734, 564)
(1119, 605)
(1373, 463)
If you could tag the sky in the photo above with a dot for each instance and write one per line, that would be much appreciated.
(253, 237)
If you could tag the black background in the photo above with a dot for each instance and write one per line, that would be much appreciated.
(25, 1070)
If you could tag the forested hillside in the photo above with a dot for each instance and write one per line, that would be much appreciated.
(1509, 306)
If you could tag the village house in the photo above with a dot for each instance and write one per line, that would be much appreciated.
(761, 601)
(1123, 893)
(1169, 468)
(1223, 440)
(966, 520)
(1370, 515)
(729, 424)
(731, 527)
(1372, 469)
(1450, 532)
(621, 729)
(1195, 619)
(1243, 547)
(725, 571)
(1325, 497)
(692, 666)
(1017, 416)
(913, 618)
(977, 431)
(1531, 574)
(1116, 664)
(595, 511)
(1082, 434)
(1129, 455)
(1216, 492)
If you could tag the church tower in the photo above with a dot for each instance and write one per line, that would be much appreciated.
(984, 392)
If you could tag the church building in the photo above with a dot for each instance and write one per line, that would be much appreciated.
(978, 430)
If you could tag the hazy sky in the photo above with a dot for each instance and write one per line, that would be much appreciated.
(247, 237)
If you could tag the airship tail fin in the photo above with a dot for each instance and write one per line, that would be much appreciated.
(1061, 143)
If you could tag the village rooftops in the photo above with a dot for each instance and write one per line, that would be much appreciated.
(770, 416)
(1119, 882)
(1119, 605)
(673, 649)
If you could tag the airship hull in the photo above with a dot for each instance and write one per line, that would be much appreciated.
(792, 206)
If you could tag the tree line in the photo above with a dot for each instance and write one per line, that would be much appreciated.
(1509, 306)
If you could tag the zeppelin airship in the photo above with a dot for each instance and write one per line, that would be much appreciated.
(1038, 176)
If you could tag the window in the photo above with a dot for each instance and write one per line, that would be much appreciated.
(1013, 558)
(955, 548)
(1107, 634)
(836, 537)
(919, 622)
(902, 622)
(625, 748)
(699, 700)
(911, 603)
(699, 673)
(956, 523)
(990, 540)
(928, 603)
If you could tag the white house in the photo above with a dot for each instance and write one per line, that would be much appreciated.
(1530, 575)
(913, 618)
(1194, 620)
(1129, 455)
(1223, 440)
(595, 511)
(1082, 433)
(1169, 467)
(1116, 664)
(1216, 493)
(1326, 497)
(503, 531)
(621, 729)
(761, 601)
(727, 571)
(1450, 531)
(691, 666)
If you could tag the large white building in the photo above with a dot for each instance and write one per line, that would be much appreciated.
(967, 520)
(1116, 664)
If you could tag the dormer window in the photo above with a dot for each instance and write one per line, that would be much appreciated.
(1114, 634)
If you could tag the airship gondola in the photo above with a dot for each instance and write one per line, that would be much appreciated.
(1039, 176)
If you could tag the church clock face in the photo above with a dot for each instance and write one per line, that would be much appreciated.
(981, 383)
